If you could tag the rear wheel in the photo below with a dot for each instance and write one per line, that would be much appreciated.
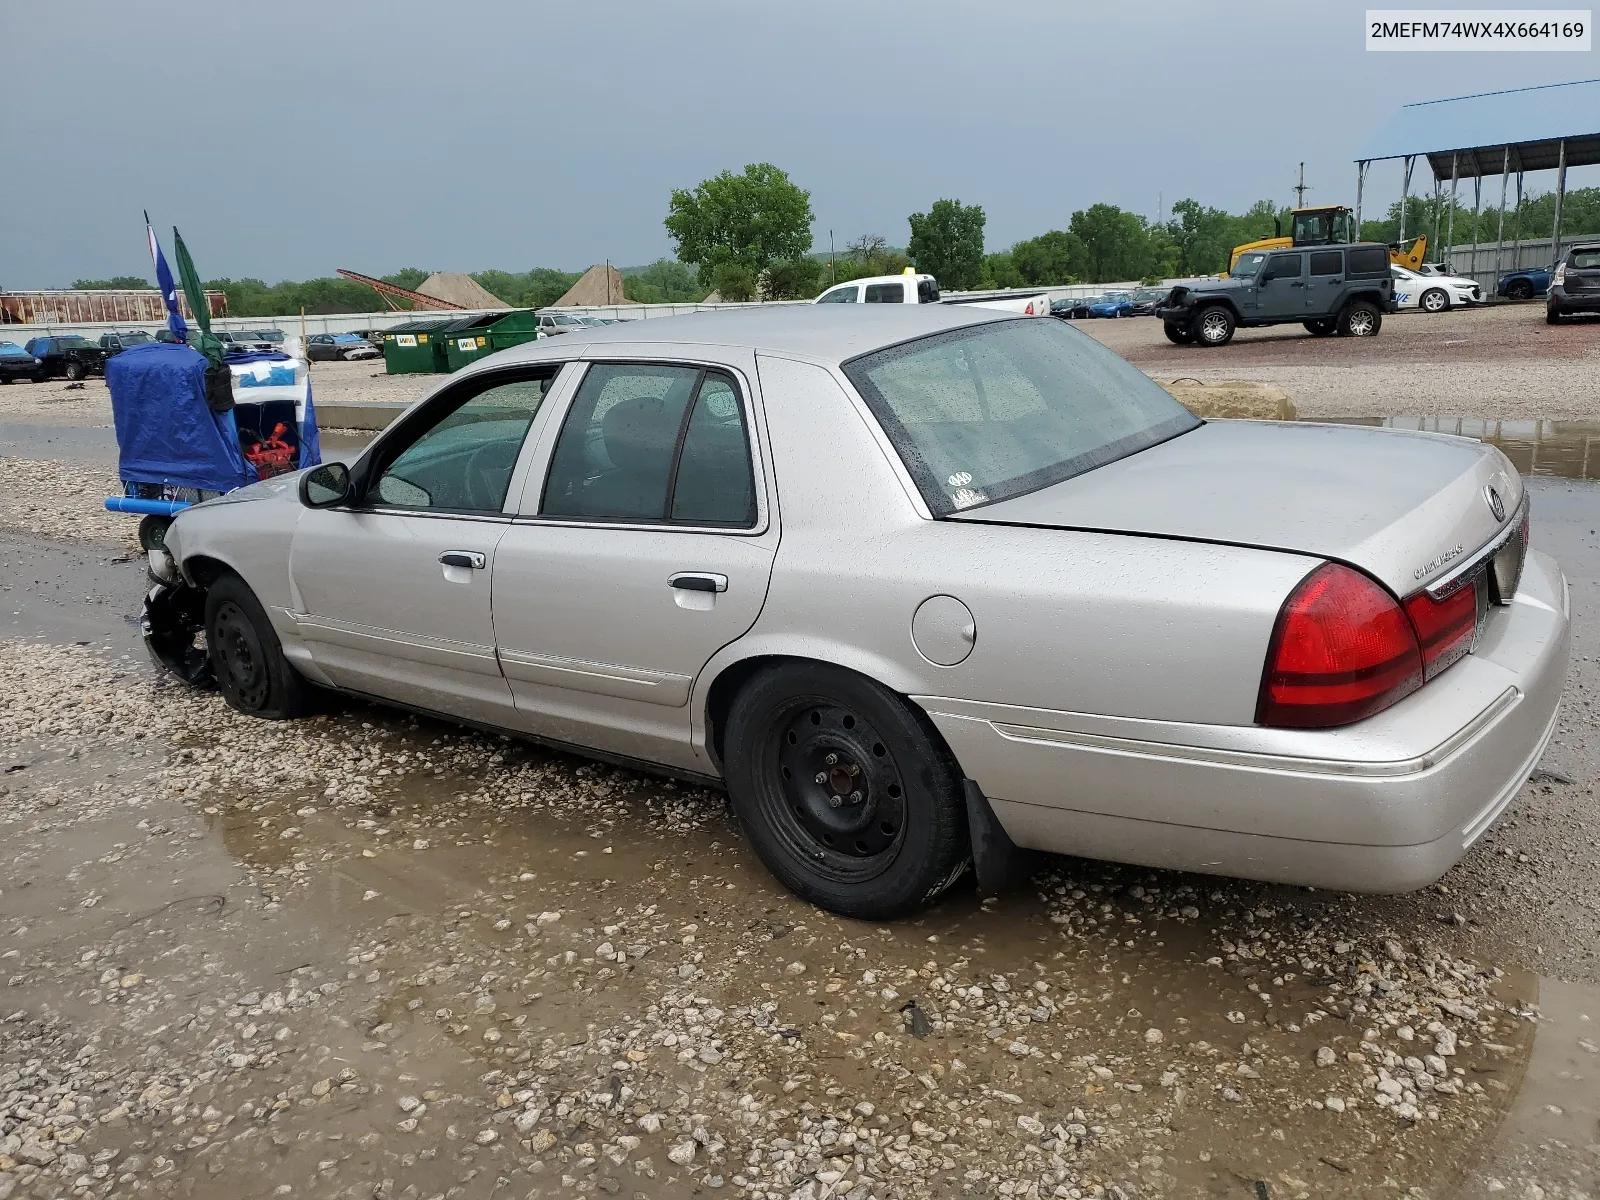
(1552, 316)
(1360, 319)
(153, 531)
(1213, 326)
(1519, 289)
(248, 661)
(1434, 300)
(1179, 335)
(847, 794)
(1321, 328)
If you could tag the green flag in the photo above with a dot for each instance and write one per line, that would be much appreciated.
(189, 278)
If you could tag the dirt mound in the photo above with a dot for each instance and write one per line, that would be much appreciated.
(1233, 398)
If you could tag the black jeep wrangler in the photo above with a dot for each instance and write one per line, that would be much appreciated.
(1333, 289)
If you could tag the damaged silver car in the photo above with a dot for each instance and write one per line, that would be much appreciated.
(918, 585)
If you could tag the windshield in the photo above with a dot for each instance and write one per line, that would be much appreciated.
(74, 343)
(11, 349)
(134, 338)
(1248, 265)
(986, 413)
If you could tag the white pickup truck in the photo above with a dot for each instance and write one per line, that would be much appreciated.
(911, 288)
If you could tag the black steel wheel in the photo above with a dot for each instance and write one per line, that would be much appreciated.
(1178, 335)
(1323, 327)
(847, 794)
(153, 531)
(246, 658)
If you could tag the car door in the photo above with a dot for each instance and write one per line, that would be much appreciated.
(645, 546)
(1325, 281)
(1282, 288)
(393, 590)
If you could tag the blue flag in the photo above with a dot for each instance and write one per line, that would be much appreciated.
(169, 290)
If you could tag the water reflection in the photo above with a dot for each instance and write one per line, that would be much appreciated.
(1566, 449)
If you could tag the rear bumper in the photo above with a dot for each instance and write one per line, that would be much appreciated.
(1386, 805)
(1562, 300)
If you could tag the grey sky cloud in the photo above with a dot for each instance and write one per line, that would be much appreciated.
(290, 138)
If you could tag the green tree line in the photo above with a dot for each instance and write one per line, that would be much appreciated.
(748, 235)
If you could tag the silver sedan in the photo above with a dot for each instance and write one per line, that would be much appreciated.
(919, 586)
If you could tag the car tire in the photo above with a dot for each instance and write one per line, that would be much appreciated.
(797, 737)
(1321, 328)
(1552, 316)
(1519, 289)
(1178, 335)
(246, 657)
(74, 372)
(1213, 326)
(1434, 300)
(1360, 318)
(153, 531)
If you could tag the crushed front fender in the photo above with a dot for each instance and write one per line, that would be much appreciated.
(173, 625)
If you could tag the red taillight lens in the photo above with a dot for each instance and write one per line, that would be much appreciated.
(1445, 628)
(1342, 650)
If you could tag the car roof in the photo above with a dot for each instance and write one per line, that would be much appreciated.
(820, 332)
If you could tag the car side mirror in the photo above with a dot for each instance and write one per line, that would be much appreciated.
(325, 486)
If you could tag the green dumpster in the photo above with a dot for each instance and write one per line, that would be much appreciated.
(473, 338)
(416, 347)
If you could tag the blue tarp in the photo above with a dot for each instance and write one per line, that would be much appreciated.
(165, 432)
(310, 436)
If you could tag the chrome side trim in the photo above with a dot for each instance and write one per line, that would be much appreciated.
(371, 639)
(605, 679)
(1457, 575)
(1248, 759)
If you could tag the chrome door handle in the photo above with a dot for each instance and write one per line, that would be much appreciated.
(698, 581)
(463, 558)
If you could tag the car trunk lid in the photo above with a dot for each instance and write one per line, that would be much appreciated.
(1405, 507)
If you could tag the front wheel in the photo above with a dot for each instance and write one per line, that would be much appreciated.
(246, 657)
(74, 371)
(847, 794)
(1321, 328)
(1178, 335)
(1214, 326)
(1360, 319)
(1434, 301)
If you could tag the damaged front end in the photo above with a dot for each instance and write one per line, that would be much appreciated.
(173, 624)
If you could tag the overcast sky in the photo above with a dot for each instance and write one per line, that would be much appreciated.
(513, 134)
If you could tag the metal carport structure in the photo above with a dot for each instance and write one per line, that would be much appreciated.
(1549, 127)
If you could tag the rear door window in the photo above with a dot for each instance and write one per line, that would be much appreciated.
(1327, 262)
(1369, 261)
(886, 293)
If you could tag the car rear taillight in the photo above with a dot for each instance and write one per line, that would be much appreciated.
(1561, 274)
(1445, 628)
(1342, 649)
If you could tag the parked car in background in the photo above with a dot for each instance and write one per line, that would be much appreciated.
(328, 347)
(1113, 304)
(552, 323)
(66, 356)
(242, 341)
(911, 288)
(1524, 284)
(273, 337)
(17, 363)
(116, 343)
(1074, 308)
(1145, 300)
(1341, 290)
(1433, 293)
(1313, 654)
(1575, 287)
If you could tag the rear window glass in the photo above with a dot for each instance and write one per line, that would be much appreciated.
(989, 412)
(927, 291)
(886, 293)
(1369, 260)
(1586, 260)
(1327, 262)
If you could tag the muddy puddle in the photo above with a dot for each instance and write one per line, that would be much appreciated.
(1562, 449)
(374, 947)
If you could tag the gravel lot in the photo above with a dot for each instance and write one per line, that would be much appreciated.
(370, 955)
(1498, 361)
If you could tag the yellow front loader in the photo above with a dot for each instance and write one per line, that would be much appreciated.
(1331, 225)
